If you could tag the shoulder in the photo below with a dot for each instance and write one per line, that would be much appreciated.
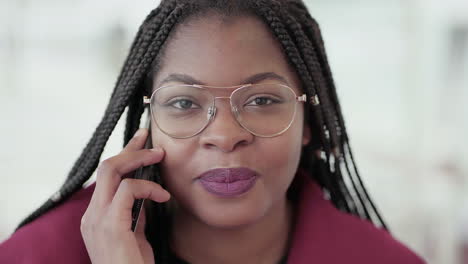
(326, 234)
(54, 237)
(362, 240)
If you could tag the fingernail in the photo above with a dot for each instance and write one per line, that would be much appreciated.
(138, 133)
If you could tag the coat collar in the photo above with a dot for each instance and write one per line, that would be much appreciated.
(322, 234)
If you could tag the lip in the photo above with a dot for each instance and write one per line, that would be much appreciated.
(228, 182)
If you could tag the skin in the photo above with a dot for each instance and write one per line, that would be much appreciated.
(255, 226)
(105, 226)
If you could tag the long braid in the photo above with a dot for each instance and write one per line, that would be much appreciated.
(157, 235)
(147, 32)
(279, 30)
(312, 27)
(137, 47)
(311, 60)
(137, 80)
(312, 30)
(138, 44)
(92, 152)
(290, 49)
(312, 63)
(135, 111)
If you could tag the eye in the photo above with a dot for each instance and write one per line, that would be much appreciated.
(183, 104)
(262, 100)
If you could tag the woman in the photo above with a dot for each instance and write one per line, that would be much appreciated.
(249, 142)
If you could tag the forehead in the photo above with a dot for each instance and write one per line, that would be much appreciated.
(224, 54)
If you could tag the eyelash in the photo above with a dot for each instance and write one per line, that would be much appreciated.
(175, 101)
(269, 98)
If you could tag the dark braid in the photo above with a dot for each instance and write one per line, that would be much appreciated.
(279, 30)
(312, 30)
(138, 44)
(123, 91)
(300, 38)
(156, 235)
(124, 72)
(137, 47)
(309, 53)
(135, 109)
(293, 55)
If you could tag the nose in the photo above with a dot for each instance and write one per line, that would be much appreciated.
(224, 132)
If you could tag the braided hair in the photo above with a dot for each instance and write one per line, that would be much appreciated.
(328, 159)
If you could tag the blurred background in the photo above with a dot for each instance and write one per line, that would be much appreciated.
(401, 69)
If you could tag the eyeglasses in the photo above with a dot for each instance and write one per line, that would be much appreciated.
(183, 111)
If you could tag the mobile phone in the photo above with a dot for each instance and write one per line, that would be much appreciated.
(141, 173)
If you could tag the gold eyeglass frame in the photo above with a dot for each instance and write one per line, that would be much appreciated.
(212, 109)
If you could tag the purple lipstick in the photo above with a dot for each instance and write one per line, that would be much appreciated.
(228, 181)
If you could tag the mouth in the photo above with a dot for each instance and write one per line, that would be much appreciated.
(228, 182)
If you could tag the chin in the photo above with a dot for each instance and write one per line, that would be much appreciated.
(233, 214)
(225, 212)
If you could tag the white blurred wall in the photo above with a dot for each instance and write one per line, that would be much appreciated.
(401, 69)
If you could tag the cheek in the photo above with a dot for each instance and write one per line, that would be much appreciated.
(287, 147)
(177, 157)
(279, 158)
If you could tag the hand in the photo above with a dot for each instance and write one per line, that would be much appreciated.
(106, 224)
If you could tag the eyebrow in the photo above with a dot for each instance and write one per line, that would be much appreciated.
(187, 79)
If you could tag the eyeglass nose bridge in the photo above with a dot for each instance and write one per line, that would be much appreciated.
(212, 109)
(211, 112)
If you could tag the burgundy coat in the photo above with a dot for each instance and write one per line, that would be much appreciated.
(322, 234)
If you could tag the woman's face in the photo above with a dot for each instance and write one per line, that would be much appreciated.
(218, 54)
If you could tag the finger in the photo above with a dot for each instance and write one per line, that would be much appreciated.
(110, 171)
(137, 142)
(130, 190)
